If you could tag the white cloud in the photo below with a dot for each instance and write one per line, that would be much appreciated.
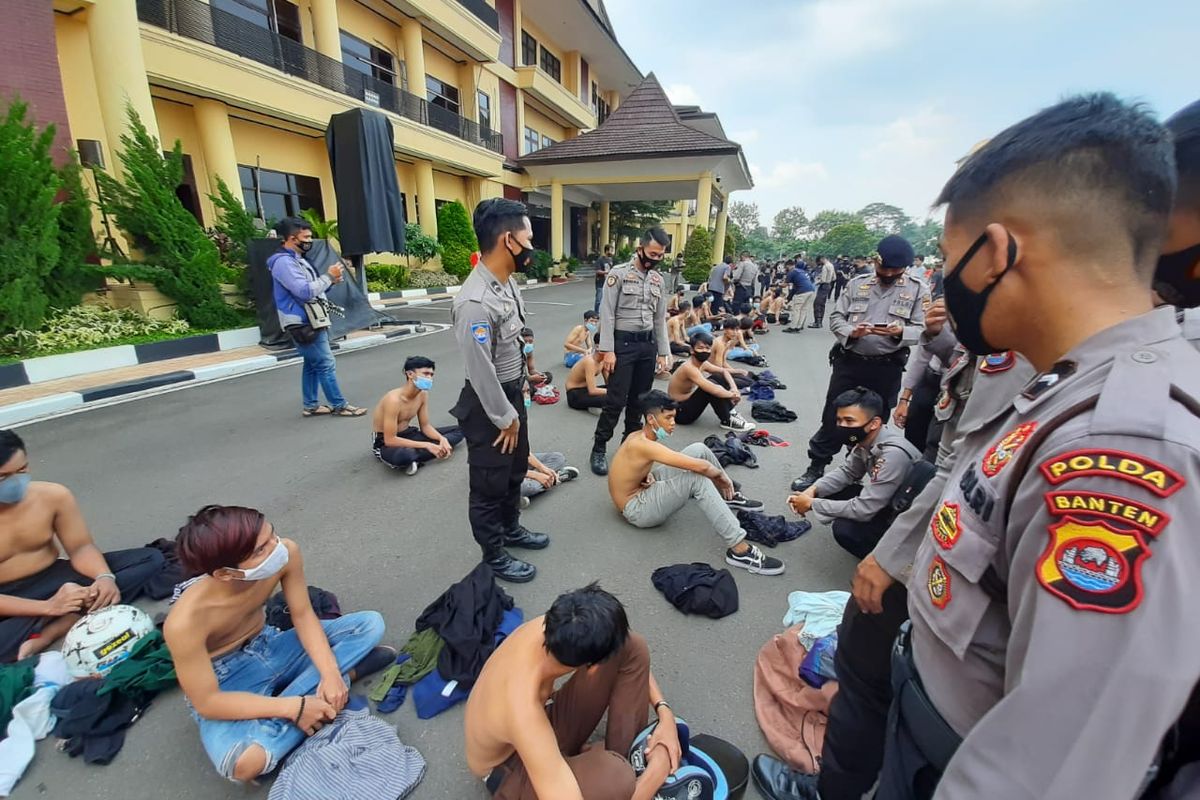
(682, 94)
(784, 174)
(748, 136)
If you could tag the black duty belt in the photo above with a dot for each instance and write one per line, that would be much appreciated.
(896, 356)
(928, 730)
(635, 336)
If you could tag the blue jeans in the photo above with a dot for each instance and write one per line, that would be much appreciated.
(274, 663)
(319, 370)
(571, 359)
(692, 331)
(738, 352)
(599, 296)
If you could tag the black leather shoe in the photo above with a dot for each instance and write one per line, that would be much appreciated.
(524, 538)
(815, 325)
(599, 462)
(811, 476)
(510, 569)
(777, 781)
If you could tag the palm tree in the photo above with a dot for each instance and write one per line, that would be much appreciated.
(322, 228)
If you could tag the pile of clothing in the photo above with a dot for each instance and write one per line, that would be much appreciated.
(772, 411)
(771, 530)
(545, 395)
(454, 636)
(751, 359)
(324, 603)
(697, 588)
(731, 450)
(767, 378)
(29, 720)
(761, 438)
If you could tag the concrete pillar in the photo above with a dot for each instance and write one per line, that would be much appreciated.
(520, 123)
(719, 233)
(414, 58)
(605, 217)
(326, 31)
(120, 70)
(557, 211)
(216, 142)
(426, 197)
(681, 241)
(468, 90)
(476, 192)
(704, 200)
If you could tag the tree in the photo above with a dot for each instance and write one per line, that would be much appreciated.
(697, 256)
(326, 229)
(419, 245)
(73, 275)
(849, 239)
(735, 239)
(457, 238)
(790, 224)
(826, 221)
(923, 236)
(884, 219)
(632, 217)
(744, 214)
(235, 222)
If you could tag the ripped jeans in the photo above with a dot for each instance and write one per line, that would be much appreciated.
(275, 663)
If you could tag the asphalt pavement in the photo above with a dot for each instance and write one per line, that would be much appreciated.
(382, 540)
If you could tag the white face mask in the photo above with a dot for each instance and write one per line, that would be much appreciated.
(271, 566)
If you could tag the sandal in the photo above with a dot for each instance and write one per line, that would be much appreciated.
(349, 411)
(319, 411)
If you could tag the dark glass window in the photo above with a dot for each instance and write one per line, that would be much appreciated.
(533, 141)
(368, 59)
(529, 50)
(485, 111)
(602, 111)
(440, 93)
(283, 193)
(546, 141)
(279, 16)
(551, 65)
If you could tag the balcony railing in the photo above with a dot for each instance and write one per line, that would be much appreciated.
(202, 22)
(484, 12)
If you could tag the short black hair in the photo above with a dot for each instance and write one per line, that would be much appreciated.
(586, 626)
(655, 234)
(728, 259)
(527, 332)
(701, 337)
(866, 399)
(418, 362)
(1185, 127)
(290, 226)
(699, 300)
(495, 217)
(1104, 165)
(684, 305)
(607, 247)
(10, 445)
(656, 400)
(745, 323)
(589, 314)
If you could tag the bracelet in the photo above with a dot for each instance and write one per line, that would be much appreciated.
(105, 575)
(904, 400)
(661, 703)
(300, 713)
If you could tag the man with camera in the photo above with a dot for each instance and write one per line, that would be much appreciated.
(303, 312)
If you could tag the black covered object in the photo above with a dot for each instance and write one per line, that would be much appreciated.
(771, 530)
(729, 758)
(362, 158)
(466, 616)
(93, 725)
(731, 450)
(697, 588)
(356, 312)
(162, 585)
(325, 605)
(772, 411)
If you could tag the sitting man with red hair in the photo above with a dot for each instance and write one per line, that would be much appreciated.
(257, 691)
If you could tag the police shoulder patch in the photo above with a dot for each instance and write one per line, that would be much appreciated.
(481, 331)
(612, 280)
(1136, 469)
(1000, 454)
(997, 362)
(1093, 565)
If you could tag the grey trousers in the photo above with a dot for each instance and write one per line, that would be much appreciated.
(673, 488)
(554, 461)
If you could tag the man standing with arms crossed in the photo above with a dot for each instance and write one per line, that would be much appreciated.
(745, 275)
(488, 317)
(633, 339)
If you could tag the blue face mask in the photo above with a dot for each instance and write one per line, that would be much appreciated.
(527, 349)
(12, 489)
(660, 433)
(423, 383)
(591, 326)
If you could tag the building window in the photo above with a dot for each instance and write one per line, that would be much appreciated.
(368, 59)
(602, 111)
(529, 50)
(278, 16)
(546, 141)
(440, 93)
(551, 65)
(282, 193)
(485, 111)
(533, 141)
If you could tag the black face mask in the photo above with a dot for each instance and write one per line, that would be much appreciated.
(304, 247)
(523, 258)
(647, 261)
(886, 280)
(1173, 278)
(852, 435)
(965, 305)
(701, 357)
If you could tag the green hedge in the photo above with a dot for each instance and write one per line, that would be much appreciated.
(697, 256)
(457, 238)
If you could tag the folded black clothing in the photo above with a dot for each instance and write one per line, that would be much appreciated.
(92, 724)
(731, 450)
(771, 530)
(772, 411)
(162, 585)
(324, 603)
(697, 588)
(466, 616)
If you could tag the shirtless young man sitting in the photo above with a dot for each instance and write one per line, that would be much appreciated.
(528, 740)
(677, 330)
(730, 340)
(696, 386)
(399, 444)
(257, 691)
(41, 594)
(649, 482)
(579, 340)
(582, 390)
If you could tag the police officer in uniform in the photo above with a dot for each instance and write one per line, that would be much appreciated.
(634, 345)
(876, 320)
(1058, 563)
(488, 316)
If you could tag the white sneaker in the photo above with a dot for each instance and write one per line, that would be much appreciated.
(524, 502)
(737, 424)
(412, 468)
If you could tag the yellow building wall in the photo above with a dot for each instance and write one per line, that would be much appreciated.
(178, 121)
(306, 23)
(79, 81)
(439, 66)
(284, 151)
(449, 187)
(408, 185)
(530, 25)
(543, 125)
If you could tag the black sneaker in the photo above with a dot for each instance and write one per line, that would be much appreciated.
(811, 476)
(777, 781)
(510, 569)
(567, 474)
(377, 659)
(737, 424)
(599, 462)
(526, 539)
(739, 502)
(755, 562)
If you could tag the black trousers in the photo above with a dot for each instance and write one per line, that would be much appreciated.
(133, 570)
(820, 301)
(401, 457)
(680, 349)
(920, 409)
(741, 299)
(838, 288)
(494, 477)
(581, 400)
(848, 372)
(854, 740)
(717, 301)
(633, 375)
(859, 537)
(691, 409)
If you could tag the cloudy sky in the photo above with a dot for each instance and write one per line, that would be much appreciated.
(839, 103)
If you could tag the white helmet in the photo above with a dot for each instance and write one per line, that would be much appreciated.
(100, 641)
